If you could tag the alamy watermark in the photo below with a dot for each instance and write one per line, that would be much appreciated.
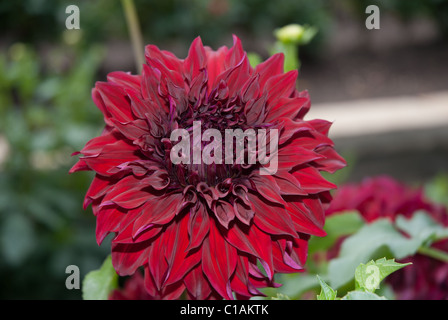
(373, 20)
(373, 279)
(73, 280)
(73, 20)
(193, 152)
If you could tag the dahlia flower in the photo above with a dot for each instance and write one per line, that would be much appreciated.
(384, 197)
(133, 289)
(215, 230)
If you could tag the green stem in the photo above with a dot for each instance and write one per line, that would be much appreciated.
(135, 32)
(434, 253)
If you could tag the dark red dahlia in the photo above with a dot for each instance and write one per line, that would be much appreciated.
(133, 289)
(217, 230)
(385, 197)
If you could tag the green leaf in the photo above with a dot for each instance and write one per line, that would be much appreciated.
(362, 295)
(422, 227)
(369, 276)
(436, 190)
(336, 226)
(363, 245)
(98, 284)
(326, 293)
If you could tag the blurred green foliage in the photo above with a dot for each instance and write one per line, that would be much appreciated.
(179, 20)
(45, 115)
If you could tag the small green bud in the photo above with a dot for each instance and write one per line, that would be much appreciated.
(291, 33)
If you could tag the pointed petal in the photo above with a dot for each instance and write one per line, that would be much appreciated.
(180, 260)
(312, 181)
(115, 101)
(271, 218)
(197, 285)
(126, 258)
(288, 184)
(270, 68)
(218, 262)
(198, 227)
(253, 241)
(224, 212)
(268, 188)
(125, 79)
(304, 220)
(196, 60)
(107, 221)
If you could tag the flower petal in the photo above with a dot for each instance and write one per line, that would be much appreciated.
(218, 262)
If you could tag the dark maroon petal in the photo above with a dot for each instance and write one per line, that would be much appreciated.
(132, 130)
(251, 89)
(171, 292)
(254, 242)
(150, 89)
(289, 128)
(157, 264)
(107, 221)
(241, 284)
(115, 101)
(224, 212)
(158, 210)
(304, 220)
(286, 108)
(243, 211)
(332, 161)
(159, 180)
(271, 218)
(270, 68)
(180, 260)
(282, 85)
(314, 205)
(236, 76)
(268, 188)
(125, 79)
(130, 199)
(111, 156)
(288, 184)
(215, 64)
(198, 227)
(312, 181)
(126, 184)
(294, 155)
(127, 236)
(218, 262)
(169, 66)
(196, 60)
(278, 260)
(126, 258)
(322, 126)
(255, 110)
(95, 146)
(235, 54)
(99, 186)
(195, 284)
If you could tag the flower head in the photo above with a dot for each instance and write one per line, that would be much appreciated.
(215, 229)
(384, 197)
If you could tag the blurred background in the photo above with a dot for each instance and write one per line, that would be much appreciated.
(386, 91)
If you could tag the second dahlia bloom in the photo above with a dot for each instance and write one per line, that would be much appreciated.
(215, 230)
